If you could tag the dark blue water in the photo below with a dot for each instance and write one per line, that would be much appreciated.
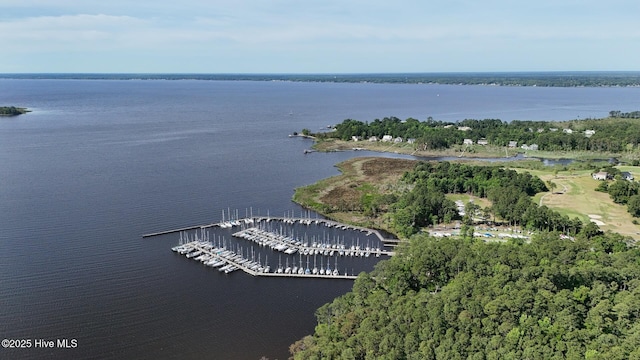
(98, 163)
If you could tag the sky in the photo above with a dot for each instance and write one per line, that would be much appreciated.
(318, 36)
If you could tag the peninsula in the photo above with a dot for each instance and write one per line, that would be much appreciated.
(613, 136)
(561, 283)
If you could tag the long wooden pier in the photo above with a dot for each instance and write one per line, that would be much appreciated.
(174, 230)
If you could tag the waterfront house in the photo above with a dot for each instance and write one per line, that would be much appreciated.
(601, 175)
(397, 140)
(627, 175)
(483, 142)
(513, 144)
(467, 142)
(373, 139)
(411, 140)
(356, 138)
(387, 138)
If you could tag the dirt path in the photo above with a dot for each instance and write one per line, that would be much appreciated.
(564, 191)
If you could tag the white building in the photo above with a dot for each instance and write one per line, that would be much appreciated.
(602, 175)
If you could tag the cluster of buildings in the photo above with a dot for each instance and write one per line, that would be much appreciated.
(603, 175)
(512, 144)
(386, 138)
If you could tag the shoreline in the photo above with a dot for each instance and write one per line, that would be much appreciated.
(474, 152)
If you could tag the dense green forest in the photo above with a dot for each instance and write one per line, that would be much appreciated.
(611, 134)
(423, 203)
(11, 110)
(555, 79)
(461, 298)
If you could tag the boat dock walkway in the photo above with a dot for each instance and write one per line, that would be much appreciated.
(228, 261)
(290, 245)
(250, 221)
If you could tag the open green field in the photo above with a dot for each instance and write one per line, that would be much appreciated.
(575, 196)
(341, 197)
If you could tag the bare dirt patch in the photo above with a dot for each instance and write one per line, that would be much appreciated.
(377, 169)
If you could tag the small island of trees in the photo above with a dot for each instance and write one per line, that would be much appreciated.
(12, 111)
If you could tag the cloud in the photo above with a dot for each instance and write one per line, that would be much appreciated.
(68, 30)
(314, 32)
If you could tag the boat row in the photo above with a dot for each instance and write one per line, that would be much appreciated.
(218, 257)
(228, 261)
(290, 245)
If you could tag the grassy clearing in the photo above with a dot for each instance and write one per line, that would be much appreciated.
(465, 198)
(340, 197)
(460, 151)
(634, 170)
(575, 196)
(468, 151)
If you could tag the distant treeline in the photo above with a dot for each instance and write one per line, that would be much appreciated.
(620, 114)
(611, 134)
(547, 79)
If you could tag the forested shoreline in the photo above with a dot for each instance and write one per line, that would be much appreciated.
(569, 292)
(544, 79)
(613, 134)
(461, 298)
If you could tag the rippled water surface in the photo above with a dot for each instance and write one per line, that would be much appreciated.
(99, 163)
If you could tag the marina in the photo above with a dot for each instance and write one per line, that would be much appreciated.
(301, 241)
(251, 220)
(290, 245)
(228, 261)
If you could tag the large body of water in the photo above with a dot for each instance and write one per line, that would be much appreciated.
(98, 163)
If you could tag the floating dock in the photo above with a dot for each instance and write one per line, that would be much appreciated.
(290, 245)
(228, 261)
(249, 221)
